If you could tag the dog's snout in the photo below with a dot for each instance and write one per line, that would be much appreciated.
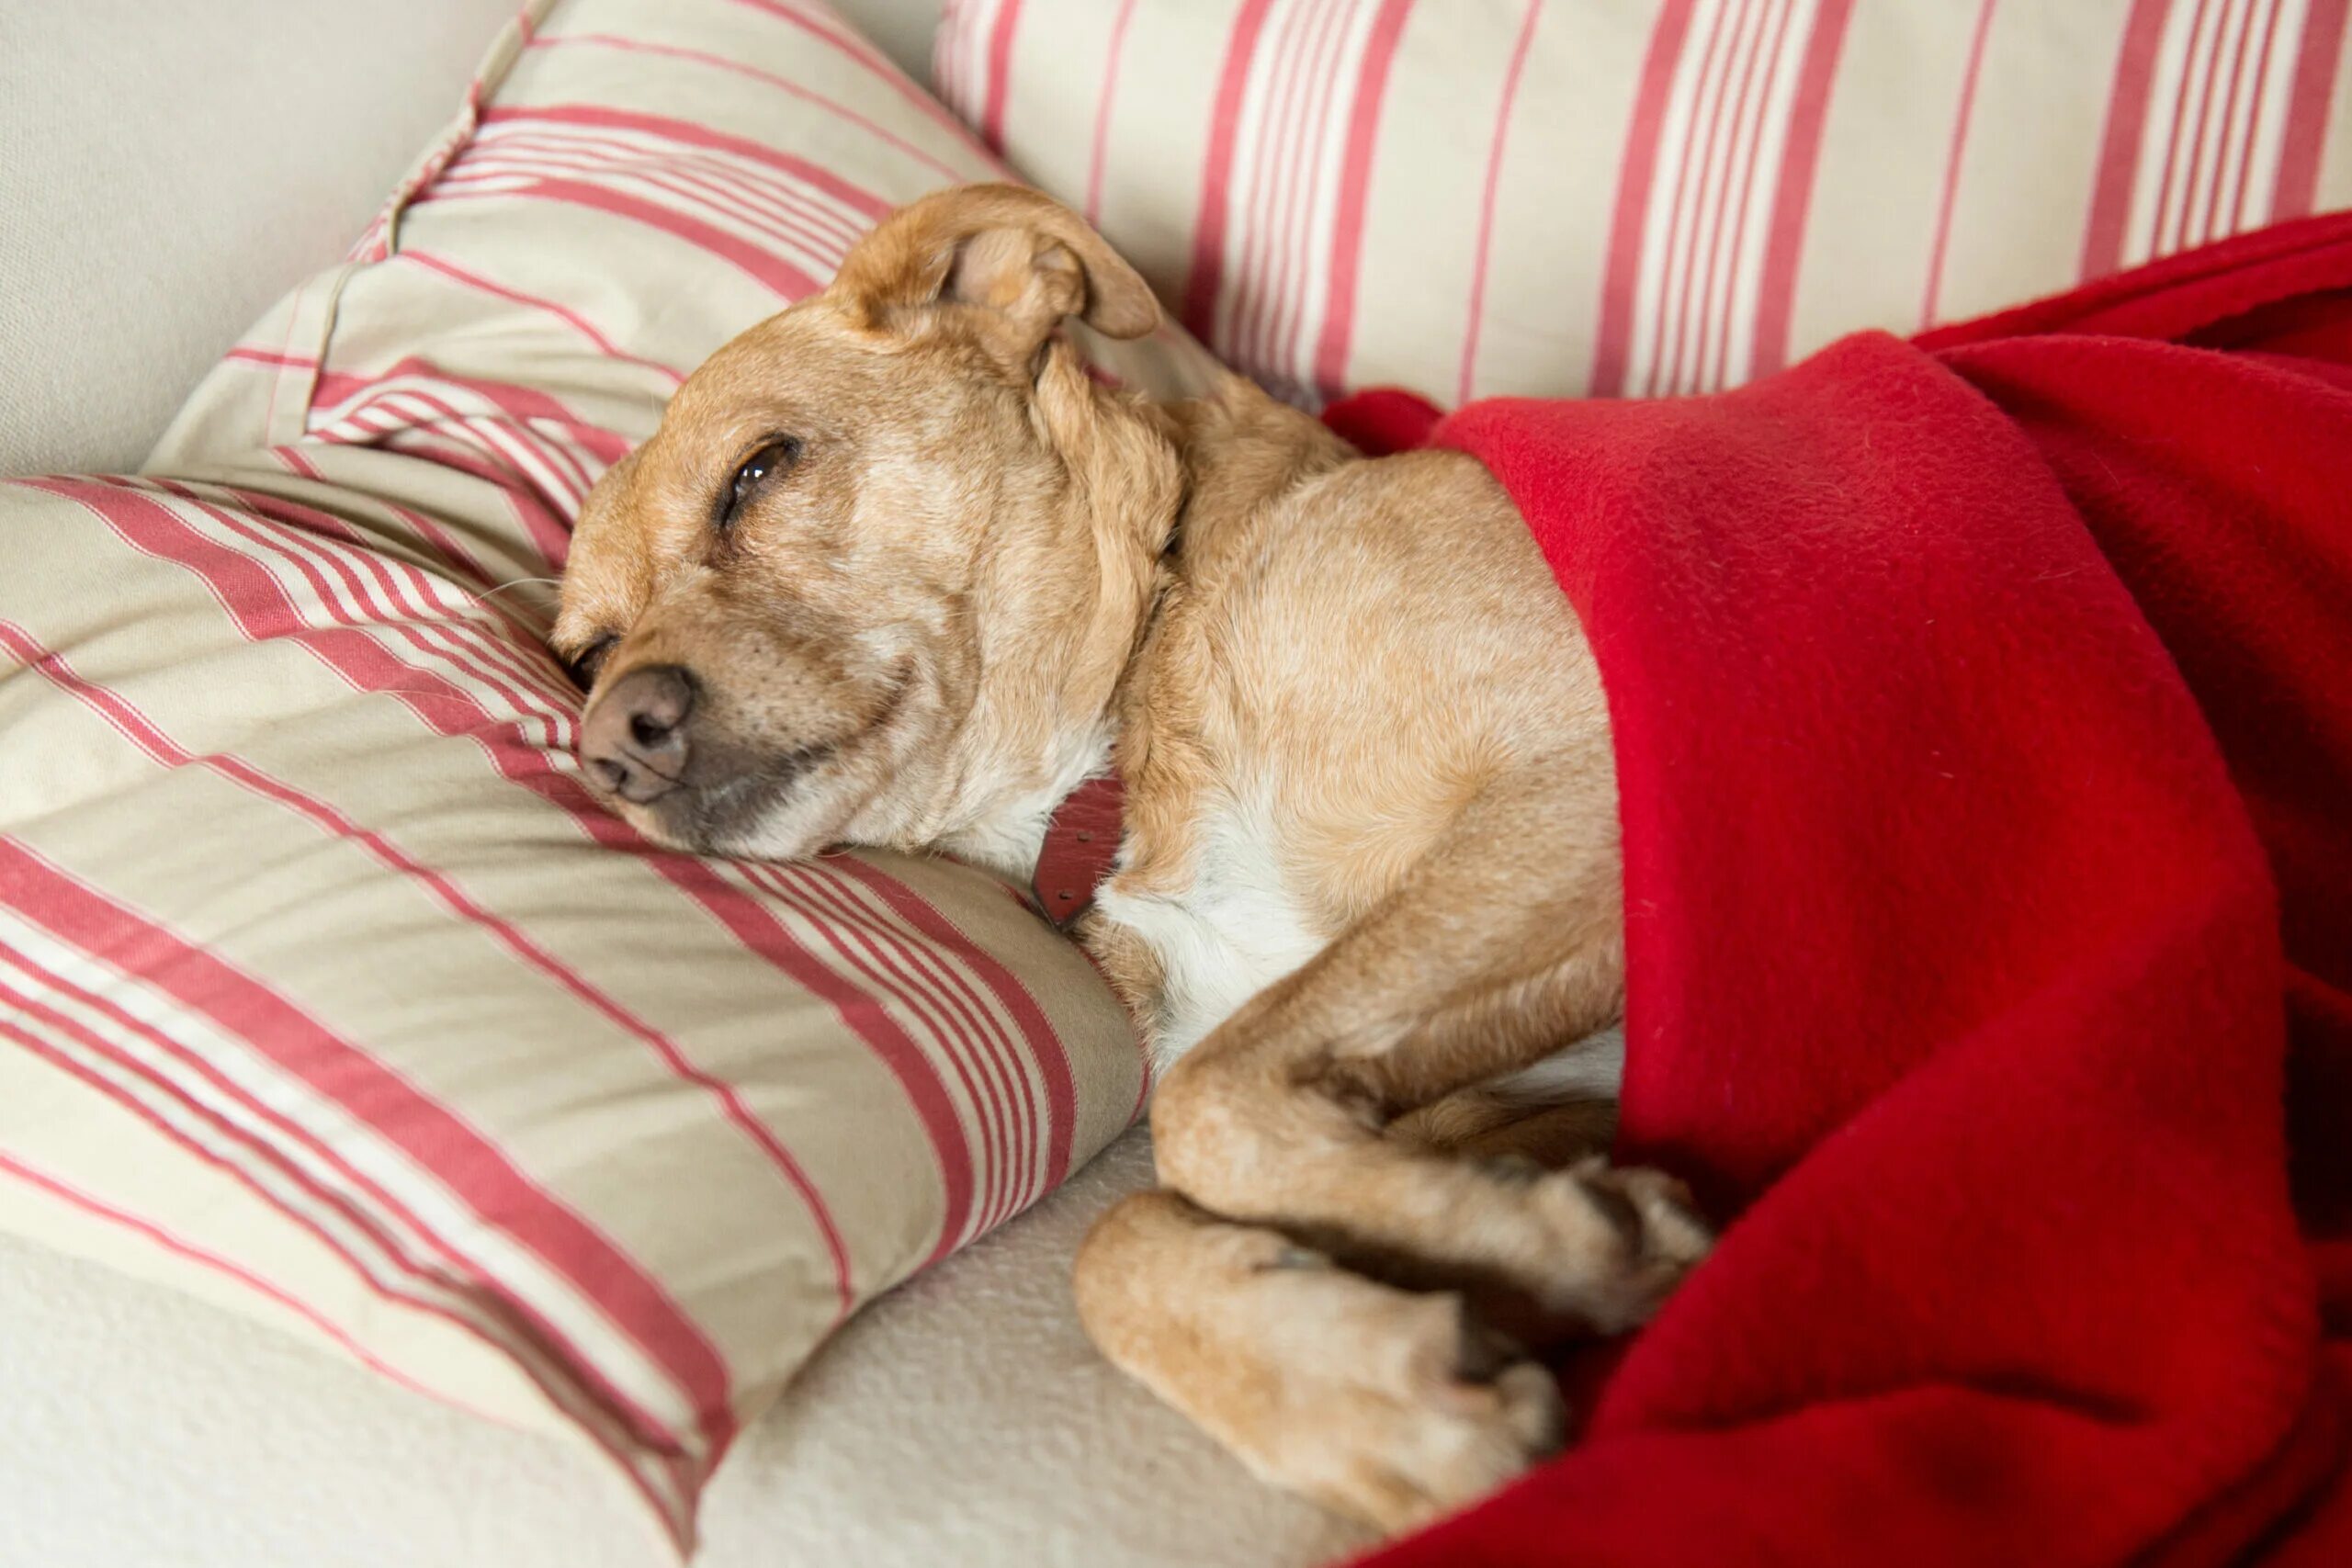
(634, 737)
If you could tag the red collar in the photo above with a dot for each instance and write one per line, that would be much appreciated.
(1082, 842)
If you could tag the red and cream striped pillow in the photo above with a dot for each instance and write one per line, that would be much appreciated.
(325, 988)
(1473, 198)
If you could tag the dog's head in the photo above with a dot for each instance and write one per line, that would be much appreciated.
(878, 569)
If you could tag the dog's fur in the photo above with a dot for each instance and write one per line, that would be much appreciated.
(1370, 871)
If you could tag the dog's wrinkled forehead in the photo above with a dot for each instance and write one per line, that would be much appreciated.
(862, 416)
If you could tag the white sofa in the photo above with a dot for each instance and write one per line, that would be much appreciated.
(165, 171)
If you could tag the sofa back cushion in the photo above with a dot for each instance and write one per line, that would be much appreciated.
(1471, 197)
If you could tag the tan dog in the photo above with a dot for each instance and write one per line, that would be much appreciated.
(894, 572)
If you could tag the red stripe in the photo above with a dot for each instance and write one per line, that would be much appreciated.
(506, 638)
(1942, 242)
(720, 192)
(781, 83)
(554, 721)
(429, 632)
(1269, 161)
(351, 397)
(864, 943)
(1288, 298)
(424, 625)
(1282, 169)
(2307, 110)
(1103, 100)
(787, 281)
(569, 317)
(1732, 190)
(2175, 182)
(880, 68)
(1044, 1043)
(2120, 150)
(529, 406)
(76, 1198)
(278, 360)
(437, 539)
(946, 51)
(1785, 243)
(264, 356)
(461, 452)
(458, 444)
(986, 1059)
(2254, 117)
(692, 134)
(720, 186)
(262, 611)
(311, 560)
(543, 526)
(1008, 18)
(558, 481)
(1726, 312)
(1355, 186)
(2208, 221)
(1207, 274)
(1496, 145)
(1637, 174)
(1689, 190)
(428, 1131)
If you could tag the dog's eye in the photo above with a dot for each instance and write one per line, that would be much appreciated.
(590, 659)
(773, 458)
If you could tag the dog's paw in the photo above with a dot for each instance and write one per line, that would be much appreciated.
(1426, 1414)
(1619, 1240)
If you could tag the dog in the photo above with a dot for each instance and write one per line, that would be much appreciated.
(895, 571)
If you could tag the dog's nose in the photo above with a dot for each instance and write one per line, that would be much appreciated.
(634, 737)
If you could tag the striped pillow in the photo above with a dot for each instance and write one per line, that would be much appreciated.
(325, 988)
(1639, 197)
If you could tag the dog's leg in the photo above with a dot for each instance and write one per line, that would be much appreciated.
(1504, 943)
(1277, 1131)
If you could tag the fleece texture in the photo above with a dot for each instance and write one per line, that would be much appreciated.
(1984, 722)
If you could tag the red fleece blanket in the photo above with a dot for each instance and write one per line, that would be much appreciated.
(1984, 722)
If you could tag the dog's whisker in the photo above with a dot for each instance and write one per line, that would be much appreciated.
(488, 594)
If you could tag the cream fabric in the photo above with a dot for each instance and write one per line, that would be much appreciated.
(325, 990)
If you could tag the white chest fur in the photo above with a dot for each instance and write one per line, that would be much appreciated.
(1234, 932)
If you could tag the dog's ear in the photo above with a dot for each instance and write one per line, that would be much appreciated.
(1022, 262)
